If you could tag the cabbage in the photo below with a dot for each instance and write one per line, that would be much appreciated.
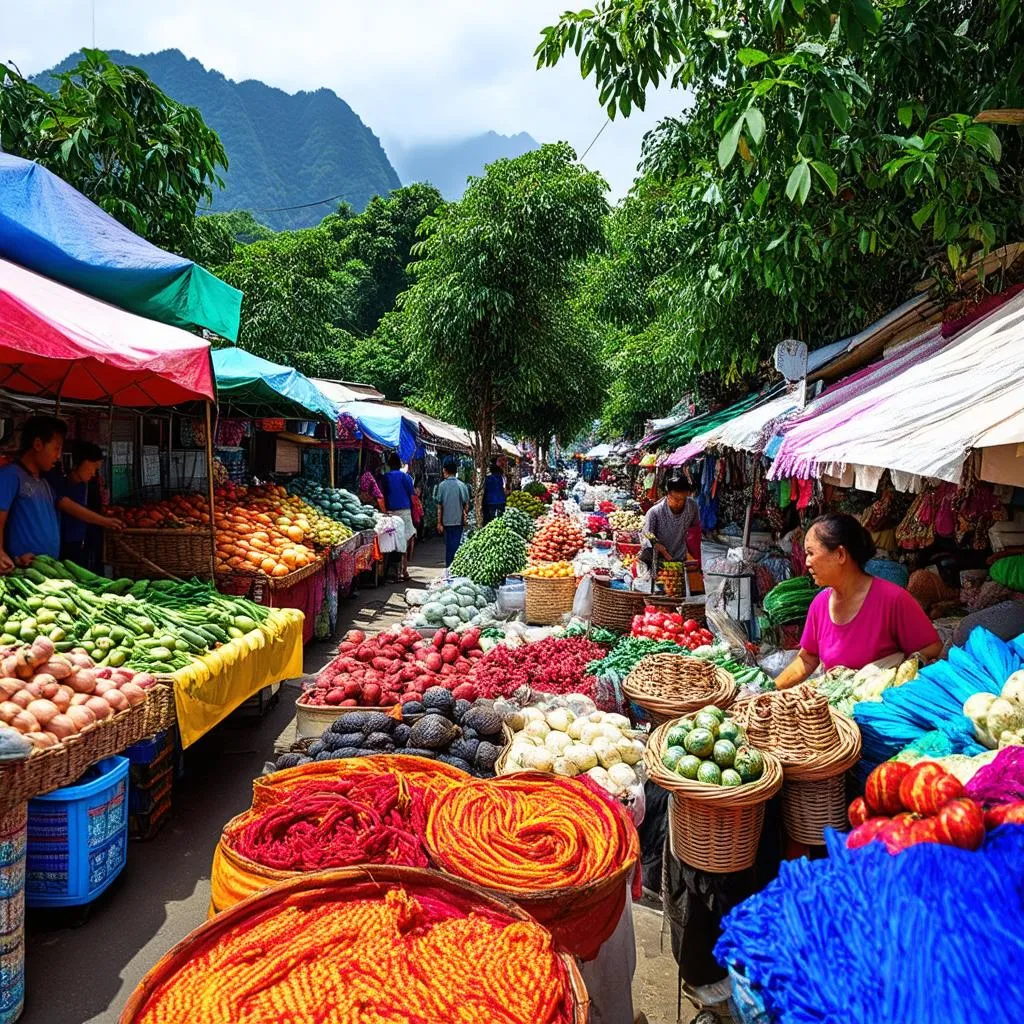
(622, 775)
(581, 757)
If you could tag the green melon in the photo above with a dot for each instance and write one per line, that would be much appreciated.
(700, 742)
(688, 766)
(706, 720)
(724, 753)
(676, 735)
(717, 712)
(731, 777)
(729, 730)
(709, 773)
(749, 763)
(672, 756)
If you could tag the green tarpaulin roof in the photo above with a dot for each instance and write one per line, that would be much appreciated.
(689, 429)
(258, 387)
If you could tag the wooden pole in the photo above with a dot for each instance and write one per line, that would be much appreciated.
(209, 490)
(330, 451)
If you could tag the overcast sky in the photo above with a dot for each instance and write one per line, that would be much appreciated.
(411, 69)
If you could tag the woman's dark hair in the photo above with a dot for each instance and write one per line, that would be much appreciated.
(394, 461)
(41, 428)
(837, 529)
(678, 484)
(494, 466)
(85, 451)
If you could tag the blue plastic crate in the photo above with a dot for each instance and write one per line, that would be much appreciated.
(148, 750)
(78, 837)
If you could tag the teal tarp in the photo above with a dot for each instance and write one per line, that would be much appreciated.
(51, 228)
(258, 387)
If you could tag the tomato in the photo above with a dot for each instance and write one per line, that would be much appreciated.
(691, 625)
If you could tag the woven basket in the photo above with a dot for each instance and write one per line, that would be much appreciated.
(614, 609)
(669, 686)
(180, 552)
(548, 601)
(49, 769)
(713, 828)
(808, 808)
(352, 883)
(161, 712)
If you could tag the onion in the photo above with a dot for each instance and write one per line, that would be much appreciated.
(80, 700)
(9, 666)
(41, 740)
(43, 649)
(144, 679)
(83, 681)
(116, 699)
(80, 659)
(82, 717)
(9, 687)
(25, 721)
(58, 667)
(62, 727)
(48, 685)
(23, 698)
(34, 688)
(104, 686)
(122, 676)
(62, 698)
(43, 710)
(8, 709)
(99, 707)
(135, 694)
(106, 672)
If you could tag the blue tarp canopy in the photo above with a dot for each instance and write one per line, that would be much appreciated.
(258, 387)
(386, 426)
(51, 228)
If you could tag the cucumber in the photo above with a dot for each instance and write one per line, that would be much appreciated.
(35, 603)
(160, 654)
(117, 657)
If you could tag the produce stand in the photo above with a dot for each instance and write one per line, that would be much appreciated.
(137, 553)
(614, 608)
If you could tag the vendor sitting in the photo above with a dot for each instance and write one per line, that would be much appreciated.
(672, 526)
(29, 524)
(857, 618)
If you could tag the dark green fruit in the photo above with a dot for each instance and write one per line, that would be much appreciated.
(688, 766)
(706, 720)
(675, 736)
(749, 763)
(710, 773)
(731, 777)
(724, 753)
(672, 756)
(700, 742)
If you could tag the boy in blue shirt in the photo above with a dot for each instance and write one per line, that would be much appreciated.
(28, 506)
(494, 493)
(86, 459)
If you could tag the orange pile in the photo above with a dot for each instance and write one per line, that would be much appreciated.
(557, 538)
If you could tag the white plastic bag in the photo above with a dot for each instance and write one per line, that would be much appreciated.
(583, 603)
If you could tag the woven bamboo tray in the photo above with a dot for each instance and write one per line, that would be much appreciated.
(241, 582)
(669, 686)
(548, 601)
(161, 712)
(355, 883)
(614, 609)
(49, 769)
(713, 828)
(182, 552)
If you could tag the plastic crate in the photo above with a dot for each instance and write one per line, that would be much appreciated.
(145, 826)
(78, 837)
(150, 749)
(145, 776)
(142, 799)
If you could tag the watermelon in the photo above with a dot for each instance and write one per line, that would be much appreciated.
(749, 762)
(724, 753)
(731, 777)
(688, 766)
(672, 756)
(717, 712)
(730, 730)
(700, 742)
(706, 720)
(709, 773)
(676, 735)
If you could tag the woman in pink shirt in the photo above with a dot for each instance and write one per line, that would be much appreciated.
(858, 618)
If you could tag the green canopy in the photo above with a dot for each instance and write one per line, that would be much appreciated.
(689, 429)
(258, 387)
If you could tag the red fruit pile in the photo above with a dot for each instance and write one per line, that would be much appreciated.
(555, 665)
(903, 806)
(557, 538)
(395, 668)
(659, 625)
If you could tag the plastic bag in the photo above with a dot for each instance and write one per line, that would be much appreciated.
(583, 602)
(774, 663)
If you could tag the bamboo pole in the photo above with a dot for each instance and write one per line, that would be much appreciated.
(209, 491)
(330, 451)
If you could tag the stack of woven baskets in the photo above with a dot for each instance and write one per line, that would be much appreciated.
(668, 686)
(816, 747)
(549, 599)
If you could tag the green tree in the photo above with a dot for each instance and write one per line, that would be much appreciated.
(109, 131)
(218, 235)
(828, 160)
(489, 317)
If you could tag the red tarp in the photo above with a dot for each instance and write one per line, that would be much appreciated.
(57, 341)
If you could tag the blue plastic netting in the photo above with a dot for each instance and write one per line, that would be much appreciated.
(930, 936)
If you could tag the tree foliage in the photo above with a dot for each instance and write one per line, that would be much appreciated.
(109, 131)
(494, 333)
(828, 161)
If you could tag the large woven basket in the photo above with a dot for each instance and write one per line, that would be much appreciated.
(161, 712)
(614, 609)
(713, 828)
(351, 883)
(49, 769)
(669, 686)
(810, 807)
(548, 601)
(183, 552)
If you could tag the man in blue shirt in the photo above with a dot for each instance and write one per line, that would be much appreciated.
(86, 459)
(398, 491)
(28, 506)
(494, 493)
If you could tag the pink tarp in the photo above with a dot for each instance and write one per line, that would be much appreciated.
(57, 341)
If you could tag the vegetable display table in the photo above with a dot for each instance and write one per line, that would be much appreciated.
(214, 684)
(614, 609)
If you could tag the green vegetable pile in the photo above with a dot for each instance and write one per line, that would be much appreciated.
(787, 602)
(518, 521)
(711, 748)
(626, 654)
(528, 503)
(453, 605)
(146, 625)
(490, 555)
(337, 503)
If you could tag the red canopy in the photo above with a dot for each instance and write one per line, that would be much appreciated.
(55, 341)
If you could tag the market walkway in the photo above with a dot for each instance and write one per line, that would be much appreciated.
(83, 974)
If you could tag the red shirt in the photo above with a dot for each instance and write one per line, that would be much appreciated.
(889, 622)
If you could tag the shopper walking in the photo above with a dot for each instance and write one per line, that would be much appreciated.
(452, 498)
(398, 494)
(495, 491)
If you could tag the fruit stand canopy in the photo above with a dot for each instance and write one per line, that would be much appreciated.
(259, 387)
(50, 227)
(57, 342)
(384, 425)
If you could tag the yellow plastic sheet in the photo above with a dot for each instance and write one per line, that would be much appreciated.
(213, 685)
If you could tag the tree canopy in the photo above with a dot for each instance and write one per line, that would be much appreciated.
(109, 131)
(829, 158)
(496, 338)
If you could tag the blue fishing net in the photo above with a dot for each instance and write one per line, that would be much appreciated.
(864, 937)
(934, 700)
